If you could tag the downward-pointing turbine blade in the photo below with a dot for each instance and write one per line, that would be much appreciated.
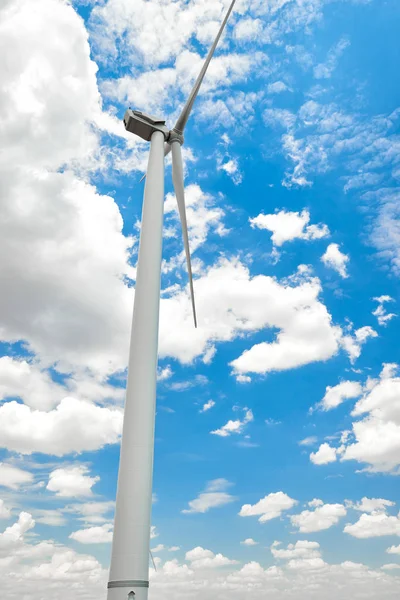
(177, 178)
(184, 116)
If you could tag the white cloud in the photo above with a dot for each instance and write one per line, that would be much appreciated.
(371, 505)
(94, 535)
(249, 542)
(71, 481)
(380, 312)
(207, 406)
(74, 426)
(52, 517)
(20, 379)
(14, 534)
(308, 441)
(201, 558)
(375, 438)
(13, 477)
(307, 564)
(92, 512)
(41, 566)
(164, 374)
(385, 230)
(325, 70)
(213, 496)
(390, 567)
(287, 226)
(248, 29)
(324, 455)
(162, 90)
(5, 512)
(323, 517)
(269, 507)
(231, 168)
(336, 260)
(301, 549)
(393, 550)
(352, 344)
(336, 395)
(374, 525)
(64, 241)
(306, 331)
(277, 87)
(234, 427)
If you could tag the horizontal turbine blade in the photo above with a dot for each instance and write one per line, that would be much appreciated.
(187, 109)
(177, 178)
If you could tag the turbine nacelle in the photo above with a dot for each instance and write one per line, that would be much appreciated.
(144, 125)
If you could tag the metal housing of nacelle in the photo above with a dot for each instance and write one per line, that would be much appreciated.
(144, 125)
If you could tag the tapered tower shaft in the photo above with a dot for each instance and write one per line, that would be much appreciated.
(131, 542)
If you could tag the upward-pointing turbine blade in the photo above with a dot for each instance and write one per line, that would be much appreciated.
(187, 109)
(177, 178)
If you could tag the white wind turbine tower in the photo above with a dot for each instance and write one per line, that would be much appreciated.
(129, 572)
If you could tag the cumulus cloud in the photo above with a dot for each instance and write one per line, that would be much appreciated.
(71, 481)
(337, 260)
(74, 426)
(45, 564)
(200, 558)
(287, 226)
(215, 495)
(269, 507)
(18, 378)
(237, 303)
(13, 536)
(334, 396)
(73, 244)
(324, 516)
(234, 427)
(381, 313)
(324, 455)
(353, 344)
(94, 535)
(375, 438)
(249, 542)
(371, 505)
(374, 525)
(208, 406)
(301, 549)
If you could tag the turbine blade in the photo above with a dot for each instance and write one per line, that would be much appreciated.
(187, 109)
(177, 178)
(167, 150)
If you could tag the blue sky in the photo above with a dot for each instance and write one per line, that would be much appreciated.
(277, 438)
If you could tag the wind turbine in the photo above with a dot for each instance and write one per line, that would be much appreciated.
(129, 571)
